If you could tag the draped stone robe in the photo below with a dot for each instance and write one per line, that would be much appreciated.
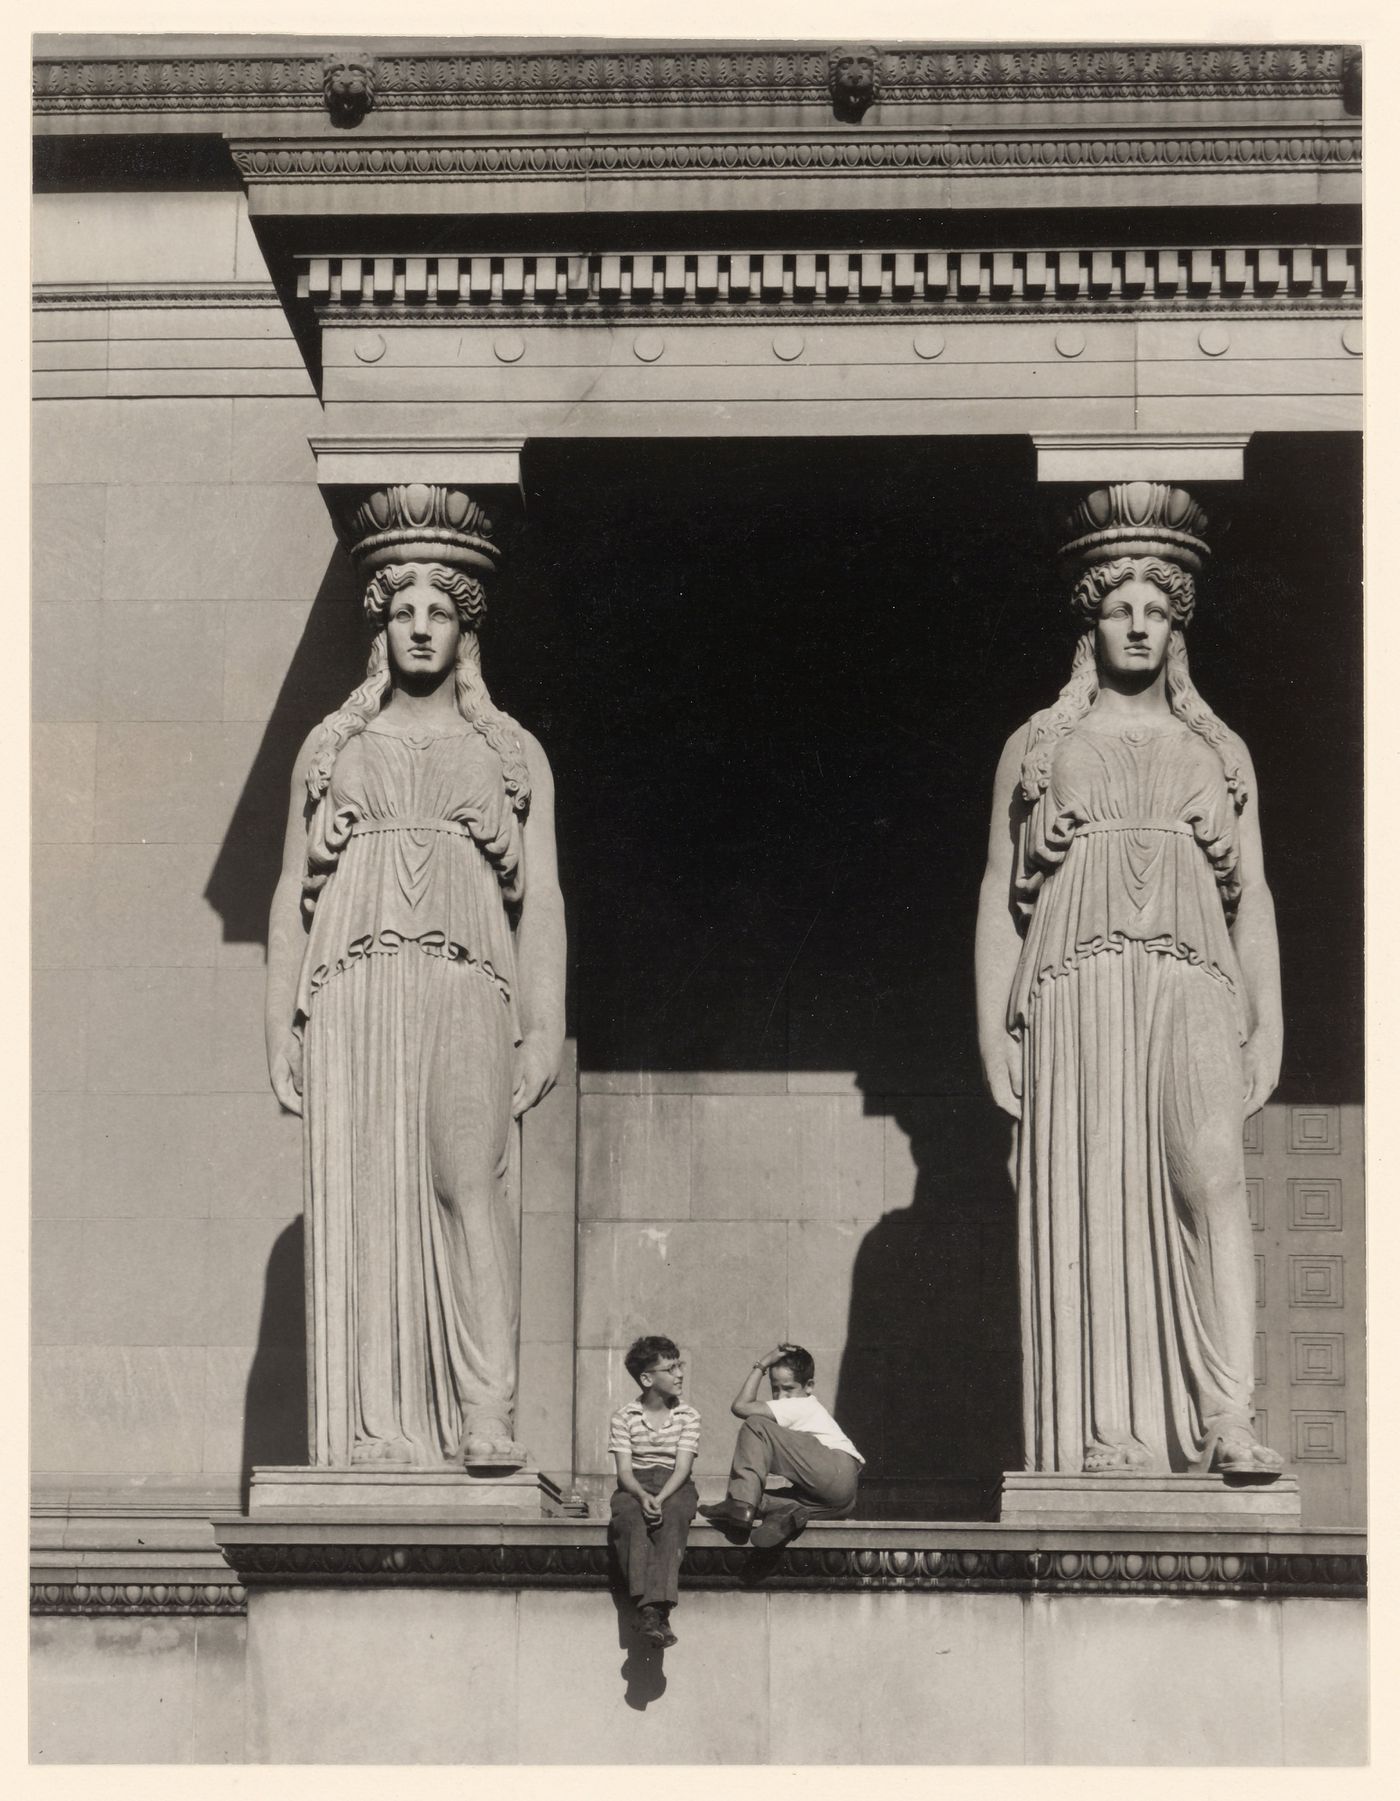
(1135, 1254)
(407, 1004)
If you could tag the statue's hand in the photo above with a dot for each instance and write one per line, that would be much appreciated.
(536, 1070)
(1001, 1071)
(1262, 1058)
(284, 1066)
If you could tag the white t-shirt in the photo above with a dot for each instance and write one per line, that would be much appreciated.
(805, 1413)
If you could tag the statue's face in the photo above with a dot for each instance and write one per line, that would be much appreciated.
(423, 630)
(1133, 629)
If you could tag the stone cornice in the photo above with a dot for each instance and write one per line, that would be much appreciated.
(82, 296)
(1251, 1575)
(712, 287)
(89, 1558)
(711, 156)
(673, 77)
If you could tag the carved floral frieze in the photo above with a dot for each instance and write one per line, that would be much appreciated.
(799, 75)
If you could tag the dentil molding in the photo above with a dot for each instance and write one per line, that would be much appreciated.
(732, 285)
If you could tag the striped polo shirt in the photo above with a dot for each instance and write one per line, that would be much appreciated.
(654, 1440)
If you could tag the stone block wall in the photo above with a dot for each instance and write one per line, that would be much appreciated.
(552, 1676)
(181, 550)
(734, 1215)
(193, 618)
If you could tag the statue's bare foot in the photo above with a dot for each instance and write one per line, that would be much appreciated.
(382, 1450)
(1238, 1451)
(490, 1440)
(1098, 1458)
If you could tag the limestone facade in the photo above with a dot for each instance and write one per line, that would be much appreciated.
(779, 596)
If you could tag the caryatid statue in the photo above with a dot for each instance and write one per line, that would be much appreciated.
(1129, 1018)
(415, 1006)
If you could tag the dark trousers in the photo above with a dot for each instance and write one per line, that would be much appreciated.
(650, 1555)
(819, 1475)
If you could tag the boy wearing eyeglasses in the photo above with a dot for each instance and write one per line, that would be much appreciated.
(654, 1440)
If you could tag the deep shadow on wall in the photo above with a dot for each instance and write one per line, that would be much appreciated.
(775, 680)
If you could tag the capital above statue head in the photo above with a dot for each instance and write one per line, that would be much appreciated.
(419, 522)
(1136, 519)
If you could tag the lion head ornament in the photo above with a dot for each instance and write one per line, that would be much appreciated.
(347, 87)
(853, 77)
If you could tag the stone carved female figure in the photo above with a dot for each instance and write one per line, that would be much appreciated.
(1129, 1018)
(415, 1009)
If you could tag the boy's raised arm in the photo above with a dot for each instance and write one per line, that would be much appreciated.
(747, 1401)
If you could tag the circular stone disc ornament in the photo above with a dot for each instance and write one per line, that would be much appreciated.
(1214, 340)
(788, 345)
(647, 346)
(929, 344)
(1070, 341)
(369, 346)
(509, 347)
(1352, 337)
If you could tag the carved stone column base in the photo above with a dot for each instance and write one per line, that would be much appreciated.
(1038, 1498)
(311, 1494)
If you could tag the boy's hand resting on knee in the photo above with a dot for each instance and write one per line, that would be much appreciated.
(651, 1507)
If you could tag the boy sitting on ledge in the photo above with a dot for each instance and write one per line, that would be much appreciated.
(790, 1435)
(653, 1440)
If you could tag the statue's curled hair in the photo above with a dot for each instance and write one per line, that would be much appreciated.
(1081, 690)
(474, 703)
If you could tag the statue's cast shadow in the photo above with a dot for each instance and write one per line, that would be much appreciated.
(274, 1413)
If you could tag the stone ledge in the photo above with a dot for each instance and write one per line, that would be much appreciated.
(1146, 1501)
(839, 1556)
(843, 1557)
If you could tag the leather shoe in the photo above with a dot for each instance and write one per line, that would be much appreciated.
(778, 1527)
(730, 1516)
(651, 1625)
